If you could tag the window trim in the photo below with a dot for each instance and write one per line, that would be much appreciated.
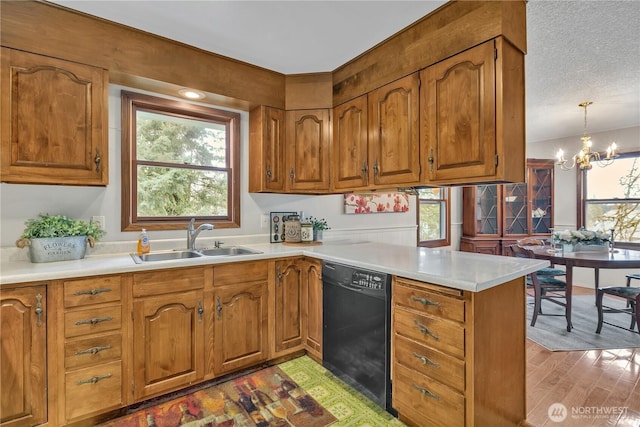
(131, 102)
(437, 242)
(581, 201)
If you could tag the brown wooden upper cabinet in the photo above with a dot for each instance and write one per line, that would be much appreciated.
(307, 151)
(266, 149)
(473, 115)
(54, 120)
(376, 138)
(289, 150)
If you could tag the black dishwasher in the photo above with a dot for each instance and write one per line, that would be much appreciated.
(356, 307)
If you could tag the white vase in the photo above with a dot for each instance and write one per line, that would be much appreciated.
(317, 235)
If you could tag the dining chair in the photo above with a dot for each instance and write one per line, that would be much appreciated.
(545, 288)
(630, 294)
(546, 271)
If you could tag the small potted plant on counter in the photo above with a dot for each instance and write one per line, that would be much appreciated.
(319, 225)
(58, 238)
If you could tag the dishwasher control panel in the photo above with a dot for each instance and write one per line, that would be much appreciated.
(354, 277)
(368, 279)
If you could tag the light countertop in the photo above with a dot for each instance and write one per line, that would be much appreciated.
(459, 270)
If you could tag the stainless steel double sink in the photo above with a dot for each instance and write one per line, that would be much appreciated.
(195, 253)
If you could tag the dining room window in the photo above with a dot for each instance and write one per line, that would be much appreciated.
(610, 198)
(179, 161)
(434, 218)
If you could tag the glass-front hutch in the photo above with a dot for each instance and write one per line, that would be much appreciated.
(496, 216)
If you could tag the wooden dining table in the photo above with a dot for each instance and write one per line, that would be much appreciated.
(619, 258)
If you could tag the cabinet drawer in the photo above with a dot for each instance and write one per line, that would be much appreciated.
(90, 321)
(437, 365)
(439, 334)
(425, 401)
(92, 291)
(431, 303)
(92, 351)
(93, 390)
(235, 273)
(168, 281)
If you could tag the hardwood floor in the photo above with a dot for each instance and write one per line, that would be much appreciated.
(597, 387)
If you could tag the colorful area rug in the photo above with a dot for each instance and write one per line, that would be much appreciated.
(265, 398)
(299, 392)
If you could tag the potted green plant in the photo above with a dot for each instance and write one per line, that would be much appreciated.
(319, 225)
(58, 238)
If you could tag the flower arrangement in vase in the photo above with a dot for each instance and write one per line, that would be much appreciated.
(582, 239)
(319, 225)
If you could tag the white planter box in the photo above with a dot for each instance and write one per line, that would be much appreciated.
(57, 248)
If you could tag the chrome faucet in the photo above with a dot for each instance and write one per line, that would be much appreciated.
(193, 232)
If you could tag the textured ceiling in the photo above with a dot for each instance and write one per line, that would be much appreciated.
(577, 50)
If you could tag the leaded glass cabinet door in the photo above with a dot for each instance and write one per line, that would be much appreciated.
(540, 183)
(515, 210)
(482, 210)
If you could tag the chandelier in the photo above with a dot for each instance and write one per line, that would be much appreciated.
(585, 156)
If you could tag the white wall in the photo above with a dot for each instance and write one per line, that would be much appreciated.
(565, 189)
(19, 202)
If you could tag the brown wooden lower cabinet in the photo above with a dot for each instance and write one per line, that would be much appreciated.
(168, 330)
(89, 343)
(312, 307)
(453, 361)
(241, 316)
(23, 355)
(120, 339)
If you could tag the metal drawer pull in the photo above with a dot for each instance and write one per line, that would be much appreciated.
(425, 301)
(93, 350)
(93, 380)
(426, 392)
(93, 291)
(425, 360)
(93, 321)
(426, 330)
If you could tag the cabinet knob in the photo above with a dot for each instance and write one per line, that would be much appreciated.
(426, 330)
(268, 173)
(218, 307)
(39, 310)
(97, 160)
(425, 301)
(94, 380)
(426, 392)
(92, 291)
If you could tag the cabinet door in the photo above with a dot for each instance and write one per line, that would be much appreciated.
(240, 326)
(350, 148)
(307, 150)
(312, 307)
(394, 140)
(540, 188)
(266, 149)
(54, 121)
(168, 342)
(515, 210)
(288, 305)
(459, 116)
(482, 210)
(23, 342)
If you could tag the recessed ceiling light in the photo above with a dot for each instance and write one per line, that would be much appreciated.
(191, 93)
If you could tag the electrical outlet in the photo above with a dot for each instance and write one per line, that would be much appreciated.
(264, 221)
(99, 220)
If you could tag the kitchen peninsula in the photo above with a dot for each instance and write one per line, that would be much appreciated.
(479, 307)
